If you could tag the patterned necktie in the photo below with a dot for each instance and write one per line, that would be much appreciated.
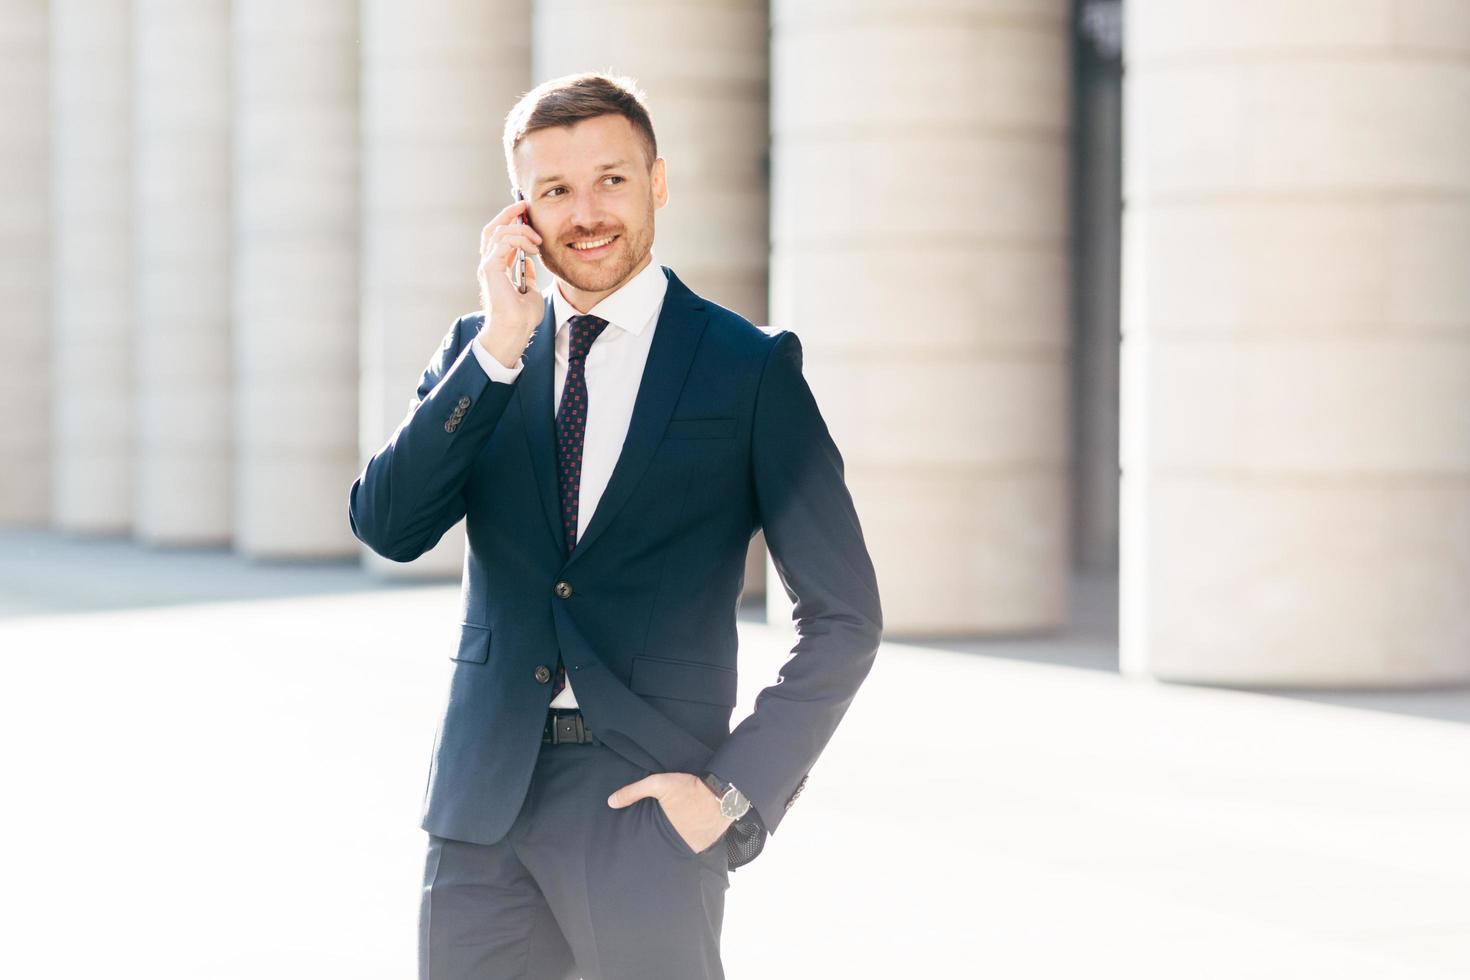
(571, 426)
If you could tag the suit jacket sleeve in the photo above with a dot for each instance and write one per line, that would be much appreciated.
(412, 490)
(816, 542)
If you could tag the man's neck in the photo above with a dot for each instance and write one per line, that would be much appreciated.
(583, 301)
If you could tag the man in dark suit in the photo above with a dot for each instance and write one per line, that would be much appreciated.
(613, 442)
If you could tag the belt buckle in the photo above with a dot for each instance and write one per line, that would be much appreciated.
(567, 728)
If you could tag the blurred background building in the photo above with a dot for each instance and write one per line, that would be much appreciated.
(1225, 374)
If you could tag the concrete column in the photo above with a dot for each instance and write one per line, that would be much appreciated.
(295, 262)
(182, 233)
(25, 330)
(1296, 362)
(438, 79)
(91, 397)
(919, 248)
(705, 68)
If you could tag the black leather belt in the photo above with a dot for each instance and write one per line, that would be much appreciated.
(566, 725)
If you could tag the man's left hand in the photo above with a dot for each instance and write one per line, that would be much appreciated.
(691, 806)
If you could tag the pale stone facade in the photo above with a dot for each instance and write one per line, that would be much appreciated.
(1296, 376)
(919, 248)
(182, 390)
(91, 406)
(295, 141)
(25, 237)
(233, 233)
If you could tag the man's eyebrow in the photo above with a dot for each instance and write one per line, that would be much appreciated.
(606, 166)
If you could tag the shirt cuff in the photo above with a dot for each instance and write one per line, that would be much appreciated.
(496, 370)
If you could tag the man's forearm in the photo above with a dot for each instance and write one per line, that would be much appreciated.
(409, 492)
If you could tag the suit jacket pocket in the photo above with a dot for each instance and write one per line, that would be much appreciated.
(474, 644)
(683, 680)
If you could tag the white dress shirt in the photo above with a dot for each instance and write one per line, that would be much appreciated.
(613, 371)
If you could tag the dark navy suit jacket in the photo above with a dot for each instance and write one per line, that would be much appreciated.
(725, 438)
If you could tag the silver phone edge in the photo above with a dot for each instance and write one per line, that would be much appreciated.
(519, 275)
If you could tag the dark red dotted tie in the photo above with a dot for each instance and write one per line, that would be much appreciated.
(571, 426)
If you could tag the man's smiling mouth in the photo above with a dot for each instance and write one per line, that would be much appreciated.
(592, 245)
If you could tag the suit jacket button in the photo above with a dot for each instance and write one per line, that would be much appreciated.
(464, 402)
(801, 784)
(543, 673)
(451, 424)
(564, 590)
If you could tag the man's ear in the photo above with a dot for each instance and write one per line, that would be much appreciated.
(659, 180)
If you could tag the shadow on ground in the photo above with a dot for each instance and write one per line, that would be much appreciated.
(46, 572)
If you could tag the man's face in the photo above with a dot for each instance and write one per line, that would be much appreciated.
(588, 182)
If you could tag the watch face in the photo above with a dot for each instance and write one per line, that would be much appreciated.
(734, 804)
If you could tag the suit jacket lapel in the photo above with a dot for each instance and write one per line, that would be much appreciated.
(535, 390)
(681, 323)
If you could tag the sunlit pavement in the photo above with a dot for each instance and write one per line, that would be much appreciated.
(197, 786)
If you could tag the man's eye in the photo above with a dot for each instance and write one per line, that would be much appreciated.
(550, 193)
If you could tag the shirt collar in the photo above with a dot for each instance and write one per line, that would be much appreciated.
(630, 307)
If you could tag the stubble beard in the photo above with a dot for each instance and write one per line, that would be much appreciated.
(627, 253)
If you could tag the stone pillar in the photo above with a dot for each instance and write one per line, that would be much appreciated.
(25, 331)
(182, 356)
(438, 80)
(920, 251)
(705, 68)
(92, 339)
(295, 265)
(1296, 447)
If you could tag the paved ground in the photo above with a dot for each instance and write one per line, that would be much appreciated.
(212, 769)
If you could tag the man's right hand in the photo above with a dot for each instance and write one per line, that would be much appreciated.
(511, 317)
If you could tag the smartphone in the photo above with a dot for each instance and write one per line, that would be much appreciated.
(520, 275)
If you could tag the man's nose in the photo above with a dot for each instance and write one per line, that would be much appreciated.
(586, 214)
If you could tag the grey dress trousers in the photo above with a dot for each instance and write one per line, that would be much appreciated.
(576, 888)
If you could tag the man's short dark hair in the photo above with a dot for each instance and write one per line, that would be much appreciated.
(570, 99)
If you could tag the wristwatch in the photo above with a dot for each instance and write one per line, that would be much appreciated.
(733, 803)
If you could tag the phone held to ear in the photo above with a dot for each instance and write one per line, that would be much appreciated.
(519, 274)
